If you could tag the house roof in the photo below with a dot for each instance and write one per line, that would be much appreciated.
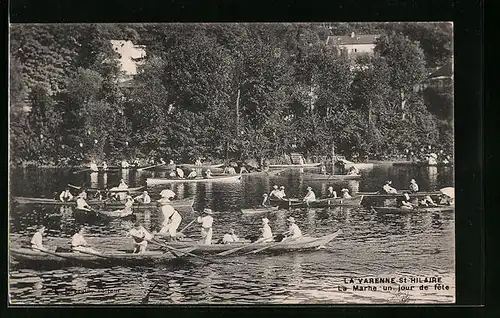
(352, 39)
(444, 71)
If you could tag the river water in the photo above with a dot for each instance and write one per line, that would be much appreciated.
(372, 245)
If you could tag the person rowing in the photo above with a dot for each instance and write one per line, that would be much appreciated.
(267, 233)
(208, 174)
(143, 198)
(413, 186)
(310, 196)
(141, 237)
(66, 195)
(353, 171)
(79, 244)
(405, 203)
(180, 173)
(275, 193)
(37, 239)
(345, 194)
(192, 174)
(388, 189)
(230, 237)
(172, 218)
(293, 230)
(122, 195)
(330, 193)
(206, 225)
(81, 204)
(281, 193)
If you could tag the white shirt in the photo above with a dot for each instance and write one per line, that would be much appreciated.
(310, 197)
(180, 173)
(227, 238)
(387, 188)
(141, 232)
(78, 240)
(65, 195)
(266, 231)
(37, 240)
(346, 195)
(275, 194)
(81, 204)
(192, 175)
(294, 230)
(123, 185)
(206, 221)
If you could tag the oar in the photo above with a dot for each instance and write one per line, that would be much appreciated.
(149, 167)
(61, 256)
(79, 171)
(189, 224)
(180, 251)
(272, 245)
(225, 253)
(94, 254)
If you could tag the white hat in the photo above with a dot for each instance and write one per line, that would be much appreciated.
(128, 197)
(208, 211)
(309, 188)
(167, 193)
(265, 220)
(412, 181)
(282, 187)
(264, 195)
(345, 190)
(291, 219)
(275, 187)
(145, 192)
(330, 188)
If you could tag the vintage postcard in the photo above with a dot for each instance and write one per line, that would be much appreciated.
(231, 163)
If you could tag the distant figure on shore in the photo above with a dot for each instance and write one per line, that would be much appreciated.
(66, 196)
(413, 186)
(388, 189)
(180, 173)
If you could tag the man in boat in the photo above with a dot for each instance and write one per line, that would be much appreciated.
(81, 204)
(445, 200)
(323, 169)
(206, 225)
(37, 239)
(281, 193)
(66, 196)
(388, 189)
(353, 171)
(208, 174)
(405, 203)
(143, 198)
(122, 184)
(198, 162)
(104, 166)
(310, 196)
(427, 201)
(267, 233)
(162, 161)
(275, 194)
(230, 237)
(345, 194)
(293, 230)
(330, 193)
(122, 195)
(171, 162)
(141, 237)
(265, 200)
(172, 218)
(192, 174)
(98, 195)
(125, 164)
(229, 170)
(79, 244)
(180, 173)
(413, 186)
(93, 166)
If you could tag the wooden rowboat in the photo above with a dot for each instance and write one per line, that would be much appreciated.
(114, 189)
(305, 165)
(260, 210)
(317, 176)
(219, 179)
(320, 203)
(399, 194)
(263, 173)
(391, 209)
(187, 202)
(203, 166)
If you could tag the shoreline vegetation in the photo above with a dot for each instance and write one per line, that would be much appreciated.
(227, 91)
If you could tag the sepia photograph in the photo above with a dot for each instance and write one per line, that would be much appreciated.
(231, 163)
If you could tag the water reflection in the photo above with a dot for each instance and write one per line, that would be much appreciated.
(432, 174)
(94, 180)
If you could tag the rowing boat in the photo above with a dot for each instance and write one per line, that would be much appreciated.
(114, 189)
(399, 194)
(263, 173)
(187, 202)
(203, 166)
(219, 179)
(260, 210)
(305, 165)
(320, 203)
(423, 164)
(317, 176)
(392, 209)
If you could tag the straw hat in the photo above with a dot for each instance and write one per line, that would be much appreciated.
(345, 190)
(291, 219)
(128, 197)
(309, 188)
(208, 211)
(265, 220)
(330, 188)
(145, 192)
(413, 181)
(167, 193)
(275, 187)
(282, 187)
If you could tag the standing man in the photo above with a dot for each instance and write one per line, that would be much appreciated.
(172, 218)
(206, 226)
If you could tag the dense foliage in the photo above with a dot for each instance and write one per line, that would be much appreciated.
(225, 91)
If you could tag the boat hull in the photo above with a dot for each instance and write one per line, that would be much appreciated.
(114, 189)
(215, 179)
(259, 210)
(399, 194)
(306, 165)
(415, 210)
(321, 203)
(317, 176)
(187, 165)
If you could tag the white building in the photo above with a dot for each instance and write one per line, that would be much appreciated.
(354, 44)
(128, 51)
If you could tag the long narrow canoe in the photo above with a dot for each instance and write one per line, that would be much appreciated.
(390, 209)
(187, 202)
(203, 166)
(219, 179)
(399, 194)
(422, 164)
(264, 173)
(318, 176)
(319, 203)
(305, 165)
(114, 189)
(260, 210)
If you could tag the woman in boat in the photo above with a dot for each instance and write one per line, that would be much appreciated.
(405, 203)
(230, 237)
(293, 230)
(282, 193)
(37, 239)
(265, 200)
(192, 174)
(206, 225)
(198, 162)
(310, 196)
(79, 244)
(66, 196)
(413, 186)
(98, 195)
(323, 169)
(275, 194)
(141, 237)
(81, 204)
(180, 173)
(172, 218)
(345, 194)
(122, 184)
(93, 166)
(143, 198)
(387, 188)
(353, 171)
(330, 193)
(83, 194)
(427, 201)
(267, 233)
(208, 174)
